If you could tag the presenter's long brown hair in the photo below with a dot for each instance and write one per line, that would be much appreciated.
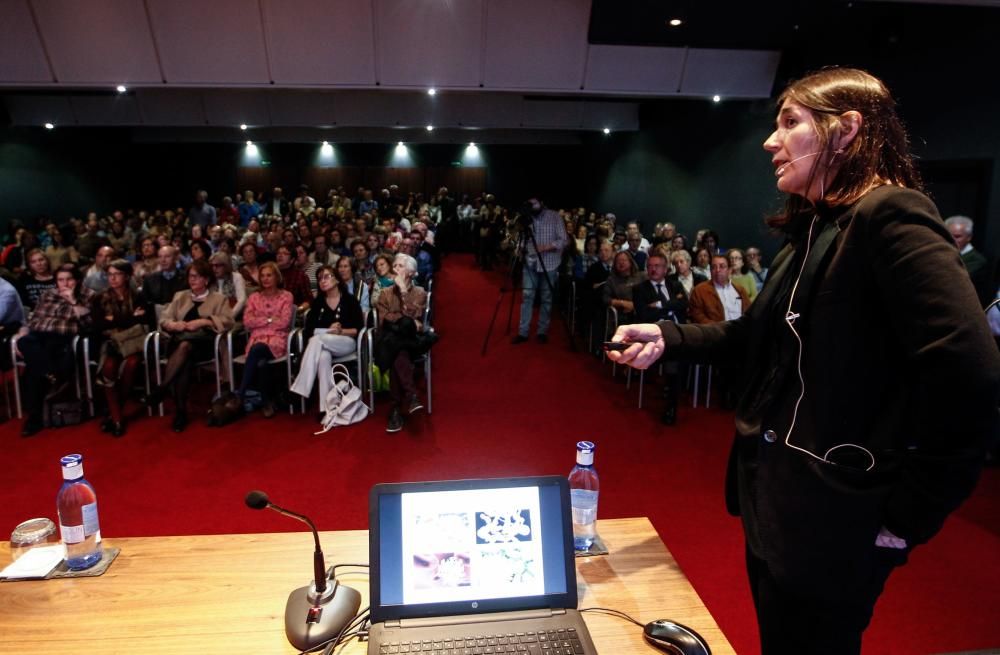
(879, 154)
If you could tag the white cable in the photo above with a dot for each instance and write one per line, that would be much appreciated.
(790, 321)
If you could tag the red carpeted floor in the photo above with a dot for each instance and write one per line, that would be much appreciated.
(518, 411)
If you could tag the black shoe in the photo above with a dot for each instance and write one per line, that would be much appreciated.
(519, 339)
(180, 421)
(395, 423)
(543, 338)
(117, 429)
(31, 427)
(415, 404)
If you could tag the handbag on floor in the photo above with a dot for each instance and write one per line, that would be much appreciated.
(58, 413)
(343, 401)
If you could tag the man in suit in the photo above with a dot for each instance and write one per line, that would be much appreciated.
(159, 288)
(657, 299)
(975, 262)
(717, 300)
(683, 276)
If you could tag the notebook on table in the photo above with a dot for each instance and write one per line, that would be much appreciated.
(474, 566)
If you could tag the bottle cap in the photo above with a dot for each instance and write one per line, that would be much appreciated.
(585, 453)
(72, 467)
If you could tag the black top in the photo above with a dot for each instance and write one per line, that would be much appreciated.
(31, 288)
(348, 313)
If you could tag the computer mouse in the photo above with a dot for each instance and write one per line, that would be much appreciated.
(675, 638)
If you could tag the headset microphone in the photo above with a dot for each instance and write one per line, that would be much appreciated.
(781, 169)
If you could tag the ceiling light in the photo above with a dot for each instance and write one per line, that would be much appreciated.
(472, 145)
(49, 126)
(399, 144)
(716, 98)
(430, 128)
(432, 91)
(676, 22)
(121, 88)
(243, 126)
(607, 130)
(326, 143)
(249, 143)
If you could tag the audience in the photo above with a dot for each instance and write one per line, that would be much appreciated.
(121, 318)
(332, 326)
(230, 285)
(47, 346)
(268, 319)
(739, 274)
(192, 319)
(36, 279)
(159, 288)
(717, 300)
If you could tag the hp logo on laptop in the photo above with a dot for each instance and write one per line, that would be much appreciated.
(475, 604)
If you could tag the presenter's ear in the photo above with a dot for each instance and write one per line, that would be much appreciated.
(850, 124)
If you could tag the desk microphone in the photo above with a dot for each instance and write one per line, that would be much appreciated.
(319, 612)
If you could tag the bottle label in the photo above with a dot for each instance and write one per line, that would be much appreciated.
(71, 534)
(90, 523)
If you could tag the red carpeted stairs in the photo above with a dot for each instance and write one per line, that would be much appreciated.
(517, 411)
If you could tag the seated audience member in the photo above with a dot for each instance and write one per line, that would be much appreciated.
(400, 314)
(294, 280)
(618, 288)
(717, 300)
(589, 256)
(702, 263)
(975, 262)
(710, 241)
(146, 261)
(118, 238)
(15, 256)
(362, 264)
(91, 239)
(250, 268)
(268, 320)
(347, 275)
(159, 288)
(739, 275)
(383, 276)
(304, 202)
(321, 253)
(12, 318)
(632, 232)
(229, 284)
(683, 274)
(36, 279)
(632, 247)
(62, 313)
(200, 250)
(425, 261)
(96, 277)
(592, 297)
(123, 319)
(756, 268)
(659, 298)
(331, 331)
(59, 253)
(192, 319)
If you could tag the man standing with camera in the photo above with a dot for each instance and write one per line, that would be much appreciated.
(544, 238)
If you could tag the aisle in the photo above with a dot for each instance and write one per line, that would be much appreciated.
(517, 411)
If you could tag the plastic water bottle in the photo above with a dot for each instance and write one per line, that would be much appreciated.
(76, 503)
(583, 490)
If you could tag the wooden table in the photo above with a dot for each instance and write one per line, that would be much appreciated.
(226, 593)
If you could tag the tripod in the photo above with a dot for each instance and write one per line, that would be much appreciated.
(517, 263)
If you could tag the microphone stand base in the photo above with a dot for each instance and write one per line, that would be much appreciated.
(337, 611)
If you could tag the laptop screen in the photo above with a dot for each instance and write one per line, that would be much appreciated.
(467, 546)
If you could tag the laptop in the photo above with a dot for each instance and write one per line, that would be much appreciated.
(474, 566)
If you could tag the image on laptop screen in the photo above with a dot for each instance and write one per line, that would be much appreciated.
(455, 542)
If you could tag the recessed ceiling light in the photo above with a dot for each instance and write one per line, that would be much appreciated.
(326, 143)
(472, 144)
(607, 130)
(675, 22)
(243, 126)
(432, 91)
(430, 128)
(121, 88)
(399, 144)
(249, 143)
(49, 126)
(716, 98)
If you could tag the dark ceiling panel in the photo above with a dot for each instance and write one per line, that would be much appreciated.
(22, 58)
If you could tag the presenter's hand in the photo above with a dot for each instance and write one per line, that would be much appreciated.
(647, 345)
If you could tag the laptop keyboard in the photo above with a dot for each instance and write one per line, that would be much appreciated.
(563, 641)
